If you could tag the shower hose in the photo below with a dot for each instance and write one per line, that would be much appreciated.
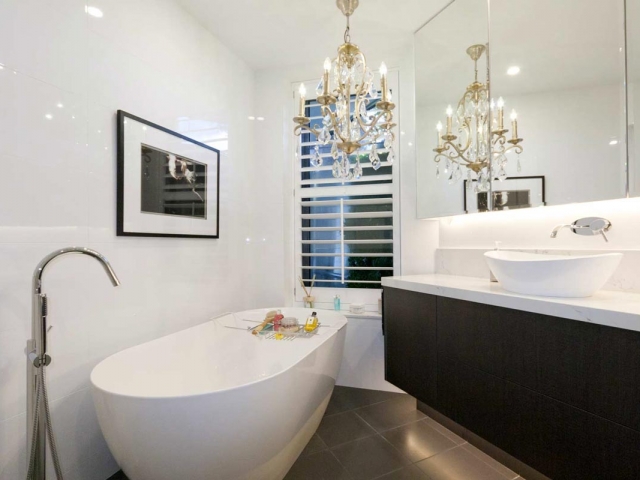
(41, 389)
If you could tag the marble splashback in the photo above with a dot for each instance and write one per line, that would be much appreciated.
(470, 262)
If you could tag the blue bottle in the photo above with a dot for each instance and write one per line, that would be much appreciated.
(336, 303)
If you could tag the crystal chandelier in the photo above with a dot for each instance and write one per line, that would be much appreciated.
(354, 117)
(473, 147)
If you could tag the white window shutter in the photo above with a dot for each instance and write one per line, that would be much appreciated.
(346, 234)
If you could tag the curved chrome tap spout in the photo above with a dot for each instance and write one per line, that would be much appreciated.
(587, 226)
(38, 358)
(572, 226)
(39, 271)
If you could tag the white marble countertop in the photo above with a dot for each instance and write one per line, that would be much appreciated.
(611, 308)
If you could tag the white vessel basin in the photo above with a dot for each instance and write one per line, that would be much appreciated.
(552, 275)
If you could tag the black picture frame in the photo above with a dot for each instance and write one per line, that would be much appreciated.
(122, 116)
(534, 177)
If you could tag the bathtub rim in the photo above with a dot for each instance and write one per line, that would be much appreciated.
(203, 394)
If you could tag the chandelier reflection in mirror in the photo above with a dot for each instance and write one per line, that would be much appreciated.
(354, 117)
(472, 147)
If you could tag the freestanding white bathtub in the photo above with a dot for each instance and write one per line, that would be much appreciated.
(217, 403)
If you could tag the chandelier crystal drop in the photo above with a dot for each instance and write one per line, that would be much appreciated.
(355, 117)
(479, 144)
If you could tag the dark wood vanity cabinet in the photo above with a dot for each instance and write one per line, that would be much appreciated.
(411, 346)
(560, 395)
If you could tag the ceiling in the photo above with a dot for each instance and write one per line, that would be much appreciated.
(285, 33)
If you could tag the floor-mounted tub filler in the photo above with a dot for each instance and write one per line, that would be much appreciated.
(39, 427)
(215, 402)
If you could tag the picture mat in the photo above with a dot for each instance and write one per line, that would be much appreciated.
(134, 220)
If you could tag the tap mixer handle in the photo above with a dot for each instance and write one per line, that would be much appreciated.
(604, 235)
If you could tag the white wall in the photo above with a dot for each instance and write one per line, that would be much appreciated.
(150, 58)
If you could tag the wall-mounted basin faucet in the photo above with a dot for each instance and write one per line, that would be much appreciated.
(587, 226)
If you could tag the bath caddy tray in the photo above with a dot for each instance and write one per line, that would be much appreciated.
(268, 333)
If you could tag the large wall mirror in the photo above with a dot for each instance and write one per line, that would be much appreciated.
(633, 74)
(522, 110)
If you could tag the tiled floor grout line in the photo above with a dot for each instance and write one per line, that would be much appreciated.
(488, 464)
(436, 454)
(415, 463)
(432, 456)
(358, 408)
(403, 463)
(388, 473)
(377, 434)
(349, 441)
(339, 462)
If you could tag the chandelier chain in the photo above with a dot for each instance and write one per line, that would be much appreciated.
(347, 36)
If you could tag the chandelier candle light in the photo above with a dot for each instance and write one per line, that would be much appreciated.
(350, 130)
(477, 150)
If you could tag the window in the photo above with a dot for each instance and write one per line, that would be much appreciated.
(346, 234)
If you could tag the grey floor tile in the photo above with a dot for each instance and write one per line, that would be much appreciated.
(349, 398)
(418, 440)
(458, 464)
(391, 414)
(490, 461)
(317, 466)
(410, 472)
(369, 458)
(445, 431)
(342, 428)
(316, 444)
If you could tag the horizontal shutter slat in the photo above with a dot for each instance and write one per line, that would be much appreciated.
(317, 281)
(346, 190)
(373, 228)
(347, 255)
(321, 181)
(350, 242)
(325, 216)
(349, 268)
(363, 201)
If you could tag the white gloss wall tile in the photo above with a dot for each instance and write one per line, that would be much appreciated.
(531, 228)
(94, 467)
(12, 373)
(77, 431)
(51, 207)
(13, 455)
(43, 42)
(73, 72)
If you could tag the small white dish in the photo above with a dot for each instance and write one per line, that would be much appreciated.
(356, 308)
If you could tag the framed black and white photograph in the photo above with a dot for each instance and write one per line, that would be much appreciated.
(510, 194)
(168, 184)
